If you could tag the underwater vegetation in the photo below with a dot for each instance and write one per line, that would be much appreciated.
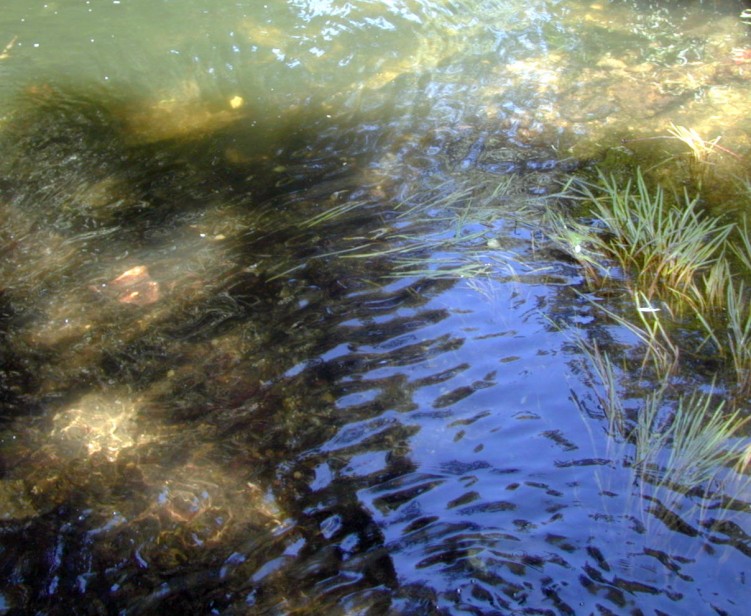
(660, 264)
(674, 444)
(656, 261)
(146, 324)
(662, 243)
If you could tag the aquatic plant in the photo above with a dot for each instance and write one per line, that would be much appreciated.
(732, 336)
(701, 149)
(696, 451)
(611, 402)
(664, 245)
(669, 256)
(714, 284)
(703, 439)
(661, 243)
(661, 353)
(578, 240)
(674, 446)
(730, 329)
(448, 231)
(707, 167)
(687, 272)
(332, 213)
(743, 251)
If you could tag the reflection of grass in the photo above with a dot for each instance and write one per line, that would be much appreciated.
(611, 403)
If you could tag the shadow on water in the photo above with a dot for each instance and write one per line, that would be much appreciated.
(142, 330)
(175, 357)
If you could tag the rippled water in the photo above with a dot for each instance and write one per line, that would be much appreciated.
(220, 398)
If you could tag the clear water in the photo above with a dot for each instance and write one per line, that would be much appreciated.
(218, 399)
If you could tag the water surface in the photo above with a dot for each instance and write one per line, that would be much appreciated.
(220, 397)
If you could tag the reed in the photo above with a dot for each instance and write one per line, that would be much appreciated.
(701, 149)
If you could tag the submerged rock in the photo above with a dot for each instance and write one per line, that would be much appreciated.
(15, 501)
(134, 286)
(97, 423)
(182, 113)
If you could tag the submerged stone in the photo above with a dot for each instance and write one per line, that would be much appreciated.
(15, 501)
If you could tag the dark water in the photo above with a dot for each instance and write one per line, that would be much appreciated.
(220, 398)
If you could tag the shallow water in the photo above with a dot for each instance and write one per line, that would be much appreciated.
(218, 397)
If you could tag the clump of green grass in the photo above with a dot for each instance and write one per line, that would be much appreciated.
(686, 271)
(697, 450)
(703, 439)
(729, 329)
(662, 244)
(688, 275)
(674, 445)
